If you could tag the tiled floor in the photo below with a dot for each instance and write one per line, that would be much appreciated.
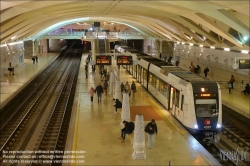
(97, 129)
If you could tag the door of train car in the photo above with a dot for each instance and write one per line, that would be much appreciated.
(135, 71)
(139, 73)
(172, 100)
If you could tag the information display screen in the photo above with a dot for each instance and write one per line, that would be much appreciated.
(124, 60)
(244, 64)
(103, 60)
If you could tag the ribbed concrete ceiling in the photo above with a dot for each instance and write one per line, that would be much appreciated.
(218, 23)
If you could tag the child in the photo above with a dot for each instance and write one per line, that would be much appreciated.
(91, 93)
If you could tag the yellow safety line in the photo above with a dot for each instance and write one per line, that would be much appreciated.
(161, 115)
(76, 128)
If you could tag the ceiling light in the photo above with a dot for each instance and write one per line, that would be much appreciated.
(182, 42)
(226, 49)
(178, 42)
(212, 47)
(191, 44)
(201, 45)
(13, 37)
(245, 38)
(244, 51)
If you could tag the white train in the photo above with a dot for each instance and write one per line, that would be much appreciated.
(194, 100)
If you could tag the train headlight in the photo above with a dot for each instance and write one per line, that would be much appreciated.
(218, 126)
(196, 126)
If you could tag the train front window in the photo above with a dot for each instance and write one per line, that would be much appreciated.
(206, 108)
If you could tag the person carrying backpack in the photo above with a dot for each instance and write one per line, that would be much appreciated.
(151, 129)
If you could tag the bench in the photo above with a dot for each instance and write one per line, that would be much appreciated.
(130, 137)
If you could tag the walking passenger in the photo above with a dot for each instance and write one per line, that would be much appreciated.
(232, 80)
(33, 59)
(91, 93)
(133, 87)
(127, 88)
(99, 91)
(105, 87)
(229, 85)
(151, 129)
(122, 87)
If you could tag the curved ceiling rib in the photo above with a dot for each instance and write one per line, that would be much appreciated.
(200, 22)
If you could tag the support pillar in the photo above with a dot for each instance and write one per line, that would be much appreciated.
(111, 83)
(118, 90)
(139, 139)
(125, 115)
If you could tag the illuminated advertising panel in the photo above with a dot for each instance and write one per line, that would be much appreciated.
(244, 64)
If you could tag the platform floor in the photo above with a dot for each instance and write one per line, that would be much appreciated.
(95, 128)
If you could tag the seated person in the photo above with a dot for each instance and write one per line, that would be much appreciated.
(117, 104)
(126, 130)
(247, 90)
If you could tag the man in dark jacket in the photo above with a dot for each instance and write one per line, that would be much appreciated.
(151, 129)
(117, 104)
(126, 130)
(99, 91)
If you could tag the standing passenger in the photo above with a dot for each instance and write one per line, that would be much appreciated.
(151, 129)
(99, 91)
(206, 70)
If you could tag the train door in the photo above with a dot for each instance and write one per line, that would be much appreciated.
(139, 73)
(172, 101)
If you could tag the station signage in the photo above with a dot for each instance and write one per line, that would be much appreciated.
(244, 64)
(124, 60)
(103, 60)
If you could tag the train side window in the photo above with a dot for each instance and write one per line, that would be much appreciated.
(166, 90)
(161, 86)
(157, 84)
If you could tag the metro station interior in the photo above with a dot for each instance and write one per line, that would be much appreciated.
(49, 49)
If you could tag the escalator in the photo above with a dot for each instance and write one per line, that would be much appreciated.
(102, 46)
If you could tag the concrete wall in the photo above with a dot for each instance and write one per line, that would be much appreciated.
(219, 62)
(54, 45)
(11, 56)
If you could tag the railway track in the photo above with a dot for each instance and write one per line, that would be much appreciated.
(40, 117)
(233, 146)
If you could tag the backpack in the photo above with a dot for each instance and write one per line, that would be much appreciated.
(132, 126)
(146, 128)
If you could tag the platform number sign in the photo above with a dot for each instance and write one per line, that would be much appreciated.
(103, 60)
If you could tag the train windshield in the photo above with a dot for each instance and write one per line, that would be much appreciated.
(206, 108)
